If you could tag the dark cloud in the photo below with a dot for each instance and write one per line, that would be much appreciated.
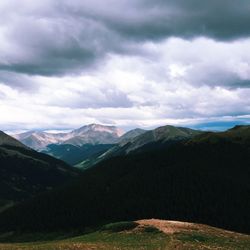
(214, 76)
(147, 20)
(126, 62)
(65, 37)
(18, 81)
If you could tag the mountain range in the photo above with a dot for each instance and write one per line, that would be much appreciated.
(156, 137)
(89, 134)
(198, 177)
(80, 147)
(139, 140)
(90, 144)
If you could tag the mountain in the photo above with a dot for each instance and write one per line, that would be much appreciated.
(116, 132)
(161, 135)
(38, 139)
(86, 155)
(201, 179)
(73, 155)
(139, 140)
(111, 150)
(6, 140)
(25, 172)
(94, 134)
(127, 137)
(147, 140)
(89, 134)
(239, 134)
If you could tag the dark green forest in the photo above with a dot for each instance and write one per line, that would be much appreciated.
(25, 173)
(204, 180)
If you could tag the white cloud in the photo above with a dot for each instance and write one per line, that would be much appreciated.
(162, 85)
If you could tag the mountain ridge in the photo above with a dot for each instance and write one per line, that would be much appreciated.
(25, 172)
(92, 134)
(204, 181)
(9, 141)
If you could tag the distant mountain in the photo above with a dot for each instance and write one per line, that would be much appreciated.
(203, 179)
(38, 139)
(89, 134)
(98, 129)
(84, 155)
(155, 138)
(139, 140)
(73, 155)
(161, 135)
(111, 150)
(90, 144)
(94, 134)
(25, 172)
(239, 134)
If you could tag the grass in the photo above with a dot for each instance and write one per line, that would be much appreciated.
(130, 235)
(120, 226)
(196, 239)
(151, 229)
(98, 240)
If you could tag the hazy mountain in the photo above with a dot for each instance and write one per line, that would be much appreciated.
(89, 134)
(98, 128)
(38, 139)
(25, 172)
(94, 134)
(201, 179)
(239, 134)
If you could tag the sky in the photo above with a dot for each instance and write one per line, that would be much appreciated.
(128, 63)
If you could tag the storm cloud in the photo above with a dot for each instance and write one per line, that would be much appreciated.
(132, 63)
(58, 37)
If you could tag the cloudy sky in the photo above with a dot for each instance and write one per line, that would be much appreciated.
(130, 63)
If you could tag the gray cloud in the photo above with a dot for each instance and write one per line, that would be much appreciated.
(144, 19)
(65, 37)
(20, 81)
(108, 98)
(64, 63)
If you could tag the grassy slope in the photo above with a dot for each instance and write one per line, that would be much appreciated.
(147, 234)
